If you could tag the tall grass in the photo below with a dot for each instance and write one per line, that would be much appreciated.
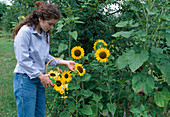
(7, 64)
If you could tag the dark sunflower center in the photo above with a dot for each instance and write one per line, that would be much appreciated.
(66, 75)
(102, 55)
(80, 69)
(77, 53)
(58, 83)
(52, 74)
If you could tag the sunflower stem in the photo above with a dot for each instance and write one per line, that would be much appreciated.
(76, 104)
(76, 101)
(83, 88)
(69, 48)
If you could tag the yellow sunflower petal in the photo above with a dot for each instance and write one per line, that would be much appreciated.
(66, 76)
(77, 52)
(59, 84)
(98, 41)
(67, 89)
(64, 97)
(113, 46)
(79, 69)
(58, 78)
(23, 17)
(61, 91)
(56, 87)
(102, 54)
(53, 74)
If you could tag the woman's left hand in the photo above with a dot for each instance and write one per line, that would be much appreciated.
(69, 63)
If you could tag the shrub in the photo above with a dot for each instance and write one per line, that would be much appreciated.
(134, 81)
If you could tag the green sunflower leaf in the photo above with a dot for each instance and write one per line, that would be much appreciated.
(137, 83)
(149, 84)
(86, 77)
(71, 106)
(145, 82)
(73, 85)
(122, 24)
(134, 60)
(125, 34)
(74, 34)
(164, 68)
(162, 98)
(86, 93)
(122, 62)
(100, 105)
(96, 97)
(62, 47)
(158, 97)
(87, 110)
(64, 114)
(156, 51)
(95, 110)
(80, 22)
(59, 28)
(111, 108)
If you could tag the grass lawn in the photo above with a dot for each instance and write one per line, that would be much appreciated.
(7, 65)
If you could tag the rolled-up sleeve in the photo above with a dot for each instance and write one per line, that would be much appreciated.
(21, 48)
(54, 62)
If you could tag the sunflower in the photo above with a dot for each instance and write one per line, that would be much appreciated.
(77, 52)
(61, 91)
(113, 46)
(64, 97)
(66, 76)
(53, 74)
(102, 54)
(79, 69)
(22, 17)
(67, 89)
(99, 44)
(59, 84)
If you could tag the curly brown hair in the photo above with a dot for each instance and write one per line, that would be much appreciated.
(45, 11)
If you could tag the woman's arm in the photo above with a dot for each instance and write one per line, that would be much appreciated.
(70, 64)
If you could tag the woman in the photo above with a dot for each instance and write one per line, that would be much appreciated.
(31, 46)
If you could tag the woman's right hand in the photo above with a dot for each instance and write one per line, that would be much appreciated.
(44, 78)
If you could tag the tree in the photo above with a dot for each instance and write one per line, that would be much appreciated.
(3, 8)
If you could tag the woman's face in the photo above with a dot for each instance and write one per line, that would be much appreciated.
(47, 25)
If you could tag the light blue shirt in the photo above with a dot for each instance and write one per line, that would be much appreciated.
(31, 52)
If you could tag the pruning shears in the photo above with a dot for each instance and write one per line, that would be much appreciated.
(53, 80)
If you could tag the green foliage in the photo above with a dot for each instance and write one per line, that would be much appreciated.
(135, 80)
(3, 8)
(141, 81)
(134, 60)
(17, 9)
(83, 22)
(141, 111)
(162, 98)
(4, 34)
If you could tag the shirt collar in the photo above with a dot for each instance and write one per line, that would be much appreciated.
(36, 33)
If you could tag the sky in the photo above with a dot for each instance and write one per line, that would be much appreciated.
(114, 7)
(6, 1)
